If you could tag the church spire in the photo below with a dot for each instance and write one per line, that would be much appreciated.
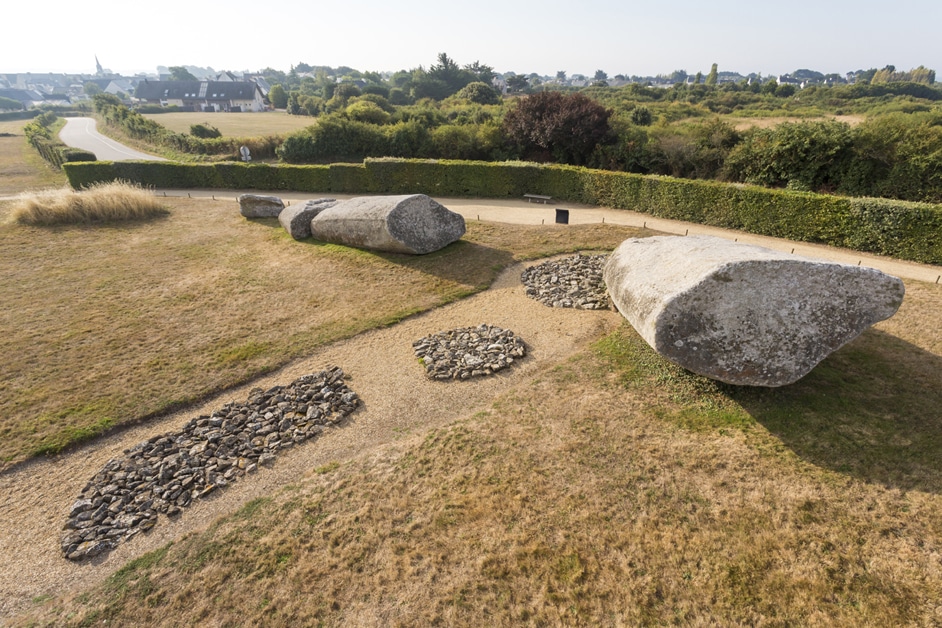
(99, 70)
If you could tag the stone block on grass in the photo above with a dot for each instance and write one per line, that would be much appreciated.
(260, 206)
(744, 314)
(296, 218)
(413, 223)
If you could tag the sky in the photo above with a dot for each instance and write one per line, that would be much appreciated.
(628, 37)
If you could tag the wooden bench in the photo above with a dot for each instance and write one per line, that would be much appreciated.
(539, 198)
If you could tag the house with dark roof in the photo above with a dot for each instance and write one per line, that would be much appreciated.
(27, 97)
(202, 95)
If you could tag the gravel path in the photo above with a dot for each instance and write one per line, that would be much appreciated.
(399, 401)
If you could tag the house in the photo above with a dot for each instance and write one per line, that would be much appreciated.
(202, 95)
(27, 97)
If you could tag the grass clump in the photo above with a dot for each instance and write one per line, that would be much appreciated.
(100, 203)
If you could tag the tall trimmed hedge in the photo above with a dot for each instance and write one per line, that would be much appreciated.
(911, 231)
(49, 147)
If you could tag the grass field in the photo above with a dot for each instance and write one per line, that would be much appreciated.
(21, 167)
(612, 489)
(164, 312)
(235, 124)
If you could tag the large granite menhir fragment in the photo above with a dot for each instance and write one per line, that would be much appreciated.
(296, 219)
(260, 206)
(399, 224)
(744, 314)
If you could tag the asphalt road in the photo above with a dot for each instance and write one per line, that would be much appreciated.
(82, 133)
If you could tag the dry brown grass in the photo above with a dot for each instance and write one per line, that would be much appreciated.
(742, 124)
(21, 167)
(234, 124)
(611, 490)
(105, 325)
(101, 203)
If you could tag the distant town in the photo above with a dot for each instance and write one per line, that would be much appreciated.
(248, 91)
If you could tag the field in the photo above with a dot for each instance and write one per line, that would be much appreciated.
(235, 124)
(162, 313)
(21, 167)
(741, 124)
(604, 487)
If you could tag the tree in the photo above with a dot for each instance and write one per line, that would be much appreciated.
(517, 82)
(91, 88)
(641, 116)
(479, 93)
(566, 128)
(278, 97)
(561, 76)
(180, 73)
(712, 76)
(482, 73)
(600, 75)
(448, 72)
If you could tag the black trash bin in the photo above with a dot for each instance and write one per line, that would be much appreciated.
(562, 216)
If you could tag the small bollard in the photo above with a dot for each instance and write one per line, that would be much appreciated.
(562, 216)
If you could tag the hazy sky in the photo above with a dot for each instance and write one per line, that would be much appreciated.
(618, 36)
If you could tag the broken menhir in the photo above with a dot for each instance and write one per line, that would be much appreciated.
(414, 224)
(744, 314)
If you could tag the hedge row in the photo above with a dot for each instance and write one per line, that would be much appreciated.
(40, 137)
(57, 153)
(911, 231)
(19, 115)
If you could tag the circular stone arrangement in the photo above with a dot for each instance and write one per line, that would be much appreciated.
(468, 352)
(167, 472)
(571, 282)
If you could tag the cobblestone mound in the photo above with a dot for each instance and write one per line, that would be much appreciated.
(468, 352)
(166, 473)
(574, 282)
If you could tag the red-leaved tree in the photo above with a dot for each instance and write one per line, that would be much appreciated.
(552, 126)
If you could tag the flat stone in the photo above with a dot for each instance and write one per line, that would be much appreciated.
(414, 224)
(744, 314)
(296, 218)
(260, 206)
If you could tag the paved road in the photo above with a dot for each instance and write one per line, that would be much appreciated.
(82, 133)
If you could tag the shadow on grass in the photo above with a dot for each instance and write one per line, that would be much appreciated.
(461, 262)
(872, 410)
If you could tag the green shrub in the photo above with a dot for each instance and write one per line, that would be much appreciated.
(204, 131)
(366, 111)
(480, 93)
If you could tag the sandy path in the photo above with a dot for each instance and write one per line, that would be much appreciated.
(398, 402)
